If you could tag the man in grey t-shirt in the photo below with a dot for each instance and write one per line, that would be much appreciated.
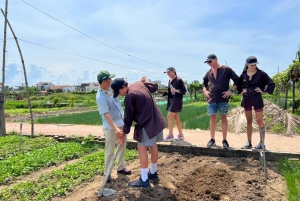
(112, 115)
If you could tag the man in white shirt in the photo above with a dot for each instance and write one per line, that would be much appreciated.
(112, 115)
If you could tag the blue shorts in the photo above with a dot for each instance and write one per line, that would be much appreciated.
(213, 108)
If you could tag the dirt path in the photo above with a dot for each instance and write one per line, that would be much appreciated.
(274, 142)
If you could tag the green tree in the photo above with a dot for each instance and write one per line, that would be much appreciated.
(195, 88)
(56, 100)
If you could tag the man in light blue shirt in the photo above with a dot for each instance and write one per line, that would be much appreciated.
(112, 115)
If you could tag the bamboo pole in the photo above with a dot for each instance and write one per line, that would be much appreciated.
(25, 76)
(2, 93)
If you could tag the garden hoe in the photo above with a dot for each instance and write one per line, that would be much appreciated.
(107, 191)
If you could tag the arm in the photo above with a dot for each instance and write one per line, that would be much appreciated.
(240, 84)
(151, 87)
(270, 84)
(205, 86)
(129, 112)
(110, 121)
(181, 88)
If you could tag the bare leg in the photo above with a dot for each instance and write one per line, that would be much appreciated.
(224, 125)
(154, 154)
(178, 124)
(143, 156)
(170, 122)
(260, 122)
(213, 125)
(248, 115)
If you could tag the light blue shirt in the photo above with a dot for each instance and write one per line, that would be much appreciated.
(107, 104)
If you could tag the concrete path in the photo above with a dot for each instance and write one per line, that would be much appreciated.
(274, 142)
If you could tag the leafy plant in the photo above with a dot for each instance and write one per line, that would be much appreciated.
(59, 182)
(21, 164)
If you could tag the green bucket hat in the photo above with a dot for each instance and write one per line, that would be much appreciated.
(104, 74)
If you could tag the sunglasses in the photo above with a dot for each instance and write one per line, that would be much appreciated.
(168, 72)
(208, 62)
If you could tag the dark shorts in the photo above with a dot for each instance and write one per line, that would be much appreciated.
(257, 103)
(171, 106)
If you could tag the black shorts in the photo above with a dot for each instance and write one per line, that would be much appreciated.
(171, 107)
(255, 101)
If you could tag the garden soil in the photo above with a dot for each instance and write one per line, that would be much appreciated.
(189, 177)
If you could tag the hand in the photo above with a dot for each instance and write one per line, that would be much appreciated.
(227, 94)
(244, 91)
(121, 140)
(257, 89)
(207, 94)
(119, 133)
(144, 79)
(173, 90)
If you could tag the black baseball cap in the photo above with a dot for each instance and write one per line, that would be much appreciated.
(117, 84)
(251, 60)
(170, 69)
(210, 57)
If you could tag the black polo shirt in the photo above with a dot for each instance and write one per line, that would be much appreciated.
(217, 86)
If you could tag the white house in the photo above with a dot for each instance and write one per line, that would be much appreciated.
(44, 86)
(88, 87)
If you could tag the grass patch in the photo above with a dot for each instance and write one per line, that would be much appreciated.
(22, 164)
(291, 172)
(84, 118)
(194, 115)
(59, 182)
(11, 145)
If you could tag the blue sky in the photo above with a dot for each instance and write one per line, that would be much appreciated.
(162, 33)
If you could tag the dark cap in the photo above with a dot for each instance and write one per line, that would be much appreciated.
(210, 57)
(170, 69)
(117, 84)
(251, 60)
(104, 74)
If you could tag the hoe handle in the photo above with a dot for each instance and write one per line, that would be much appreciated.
(100, 192)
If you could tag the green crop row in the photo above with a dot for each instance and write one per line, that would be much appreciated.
(15, 144)
(189, 114)
(59, 182)
(291, 172)
(86, 118)
(22, 164)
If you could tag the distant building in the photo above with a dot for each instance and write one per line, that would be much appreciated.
(44, 86)
(88, 87)
(64, 88)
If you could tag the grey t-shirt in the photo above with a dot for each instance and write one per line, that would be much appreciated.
(107, 104)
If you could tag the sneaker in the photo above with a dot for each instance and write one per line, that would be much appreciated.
(225, 144)
(170, 138)
(153, 177)
(248, 145)
(140, 183)
(258, 147)
(180, 137)
(211, 143)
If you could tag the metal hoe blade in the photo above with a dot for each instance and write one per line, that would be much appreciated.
(106, 192)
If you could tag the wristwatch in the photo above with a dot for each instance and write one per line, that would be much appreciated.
(231, 90)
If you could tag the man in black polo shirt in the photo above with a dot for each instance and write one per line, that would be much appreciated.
(218, 95)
